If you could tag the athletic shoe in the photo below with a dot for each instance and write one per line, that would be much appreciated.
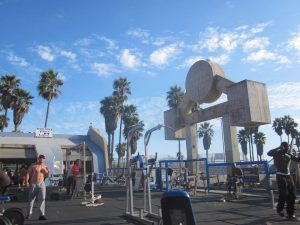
(28, 216)
(42, 218)
(281, 214)
(292, 218)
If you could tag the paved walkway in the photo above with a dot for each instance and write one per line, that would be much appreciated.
(208, 209)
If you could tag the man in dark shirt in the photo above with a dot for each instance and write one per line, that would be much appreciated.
(286, 187)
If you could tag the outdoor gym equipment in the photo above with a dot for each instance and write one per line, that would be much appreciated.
(177, 208)
(11, 216)
(90, 188)
(184, 179)
(144, 216)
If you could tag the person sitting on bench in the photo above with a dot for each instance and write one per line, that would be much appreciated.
(235, 179)
(5, 181)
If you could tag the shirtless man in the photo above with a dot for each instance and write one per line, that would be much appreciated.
(286, 188)
(37, 173)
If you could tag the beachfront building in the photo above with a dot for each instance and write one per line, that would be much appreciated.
(60, 150)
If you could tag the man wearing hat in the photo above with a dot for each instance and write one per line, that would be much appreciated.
(38, 172)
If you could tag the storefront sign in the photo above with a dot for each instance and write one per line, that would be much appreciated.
(43, 133)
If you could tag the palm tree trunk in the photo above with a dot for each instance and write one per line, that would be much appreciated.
(46, 120)
(120, 132)
(5, 114)
(112, 147)
(292, 141)
(250, 153)
(251, 141)
(207, 155)
(108, 149)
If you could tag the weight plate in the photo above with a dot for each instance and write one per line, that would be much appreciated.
(4, 221)
(15, 215)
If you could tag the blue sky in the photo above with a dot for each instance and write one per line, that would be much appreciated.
(153, 44)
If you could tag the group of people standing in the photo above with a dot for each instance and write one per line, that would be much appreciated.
(34, 178)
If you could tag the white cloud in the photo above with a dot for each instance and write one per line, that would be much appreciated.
(111, 44)
(151, 109)
(294, 43)
(190, 61)
(256, 43)
(129, 59)
(214, 38)
(138, 33)
(103, 70)
(16, 60)
(260, 27)
(162, 56)
(284, 96)
(84, 42)
(146, 38)
(265, 55)
(70, 55)
(222, 59)
(45, 53)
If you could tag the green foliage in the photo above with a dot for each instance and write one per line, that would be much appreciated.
(243, 139)
(206, 132)
(49, 88)
(174, 96)
(260, 140)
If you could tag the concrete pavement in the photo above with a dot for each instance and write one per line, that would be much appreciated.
(208, 209)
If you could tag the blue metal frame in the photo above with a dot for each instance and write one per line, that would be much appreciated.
(265, 163)
(166, 162)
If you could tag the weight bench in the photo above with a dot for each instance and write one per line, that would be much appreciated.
(5, 198)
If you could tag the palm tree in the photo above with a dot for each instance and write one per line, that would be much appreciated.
(135, 137)
(121, 151)
(110, 110)
(174, 97)
(250, 131)
(121, 90)
(288, 125)
(48, 88)
(243, 139)
(298, 142)
(8, 86)
(259, 140)
(206, 132)
(131, 118)
(179, 156)
(20, 105)
(294, 134)
(278, 127)
(3, 122)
